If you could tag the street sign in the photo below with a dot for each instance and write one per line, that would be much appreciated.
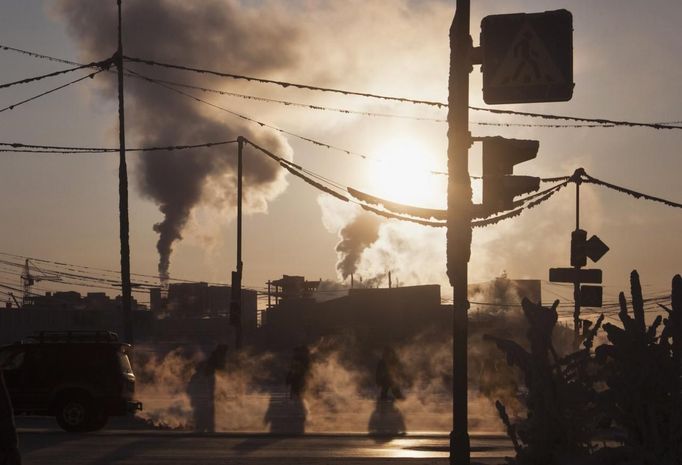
(595, 248)
(527, 57)
(590, 296)
(574, 275)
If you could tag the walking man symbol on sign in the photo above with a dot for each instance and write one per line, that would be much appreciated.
(527, 62)
(527, 58)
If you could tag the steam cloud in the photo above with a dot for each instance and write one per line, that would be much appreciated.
(250, 396)
(213, 34)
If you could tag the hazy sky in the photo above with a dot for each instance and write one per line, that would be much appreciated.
(627, 67)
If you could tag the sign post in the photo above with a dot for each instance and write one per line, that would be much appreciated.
(526, 58)
(459, 222)
(581, 249)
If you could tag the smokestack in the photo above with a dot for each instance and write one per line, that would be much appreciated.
(389, 280)
(351, 281)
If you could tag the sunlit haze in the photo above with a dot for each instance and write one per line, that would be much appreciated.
(404, 173)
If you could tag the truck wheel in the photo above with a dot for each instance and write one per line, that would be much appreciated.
(75, 414)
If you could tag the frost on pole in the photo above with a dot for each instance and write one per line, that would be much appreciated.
(527, 57)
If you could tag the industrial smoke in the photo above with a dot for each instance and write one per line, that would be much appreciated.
(209, 34)
(361, 232)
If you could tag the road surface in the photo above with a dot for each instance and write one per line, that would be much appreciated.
(41, 442)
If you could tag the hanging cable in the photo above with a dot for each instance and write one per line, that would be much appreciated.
(280, 130)
(98, 64)
(346, 110)
(292, 168)
(283, 83)
(437, 214)
(625, 190)
(598, 122)
(30, 99)
(33, 148)
(39, 55)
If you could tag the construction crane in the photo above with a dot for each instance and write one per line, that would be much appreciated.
(14, 299)
(28, 280)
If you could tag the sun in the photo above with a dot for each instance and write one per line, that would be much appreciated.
(402, 173)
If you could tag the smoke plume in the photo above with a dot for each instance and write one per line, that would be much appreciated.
(215, 34)
(356, 236)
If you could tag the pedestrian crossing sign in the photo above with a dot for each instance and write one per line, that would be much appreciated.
(527, 57)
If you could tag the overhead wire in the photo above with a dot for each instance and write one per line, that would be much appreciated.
(35, 148)
(55, 89)
(255, 121)
(347, 110)
(52, 74)
(278, 129)
(598, 122)
(286, 84)
(89, 269)
(38, 55)
(609, 308)
(625, 190)
(283, 83)
(292, 168)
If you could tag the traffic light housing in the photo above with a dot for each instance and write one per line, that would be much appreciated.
(582, 248)
(579, 248)
(499, 157)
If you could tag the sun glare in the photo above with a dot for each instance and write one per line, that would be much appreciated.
(403, 174)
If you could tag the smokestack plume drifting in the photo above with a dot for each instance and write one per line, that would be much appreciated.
(356, 236)
(216, 34)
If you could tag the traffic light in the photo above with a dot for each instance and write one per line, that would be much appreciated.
(578, 246)
(582, 249)
(499, 157)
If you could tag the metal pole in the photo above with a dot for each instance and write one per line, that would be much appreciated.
(123, 196)
(576, 283)
(238, 296)
(459, 222)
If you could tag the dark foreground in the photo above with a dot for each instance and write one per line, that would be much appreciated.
(41, 442)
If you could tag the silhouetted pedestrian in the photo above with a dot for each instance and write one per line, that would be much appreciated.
(297, 377)
(388, 375)
(9, 452)
(201, 389)
(288, 417)
(386, 421)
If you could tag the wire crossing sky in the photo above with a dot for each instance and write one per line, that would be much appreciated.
(333, 78)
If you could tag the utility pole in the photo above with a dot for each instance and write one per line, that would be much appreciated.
(236, 292)
(123, 196)
(459, 222)
(576, 282)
